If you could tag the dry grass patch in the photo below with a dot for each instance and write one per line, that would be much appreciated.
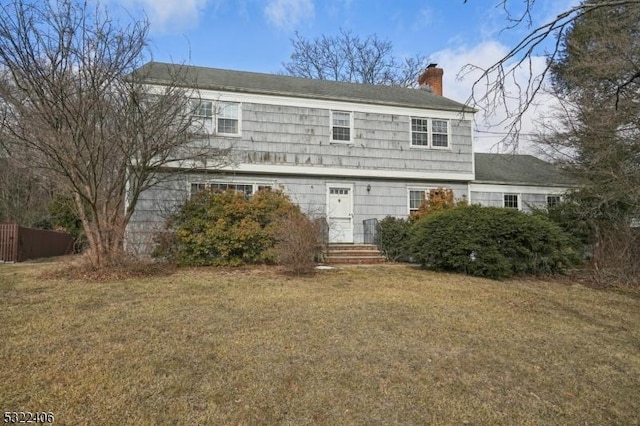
(387, 344)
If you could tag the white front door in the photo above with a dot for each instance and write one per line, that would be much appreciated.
(340, 212)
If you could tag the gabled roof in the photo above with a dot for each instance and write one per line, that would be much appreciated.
(272, 84)
(519, 170)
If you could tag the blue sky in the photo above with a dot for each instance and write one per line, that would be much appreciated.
(254, 35)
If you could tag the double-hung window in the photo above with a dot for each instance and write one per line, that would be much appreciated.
(202, 116)
(416, 198)
(228, 117)
(429, 132)
(420, 131)
(216, 117)
(340, 126)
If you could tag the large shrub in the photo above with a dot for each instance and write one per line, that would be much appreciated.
(392, 235)
(226, 228)
(491, 242)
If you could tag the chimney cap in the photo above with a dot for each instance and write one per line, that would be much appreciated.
(432, 65)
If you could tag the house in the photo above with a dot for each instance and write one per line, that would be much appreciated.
(350, 152)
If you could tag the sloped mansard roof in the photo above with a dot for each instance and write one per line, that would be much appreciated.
(519, 170)
(281, 85)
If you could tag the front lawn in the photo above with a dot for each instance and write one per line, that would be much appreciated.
(360, 345)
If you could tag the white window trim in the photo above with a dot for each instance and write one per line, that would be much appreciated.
(215, 111)
(429, 133)
(517, 194)
(351, 121)
(254, 183)
(410, 189)
(216, 116)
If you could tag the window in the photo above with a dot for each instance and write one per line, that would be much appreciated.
(244, 188)
(420, 131)
(430, 133)
(416, 198)
(341, 126)
(339, 191)
(202, 116)
(553, 200)
(511, 201)
(227, 117)
(440, 133)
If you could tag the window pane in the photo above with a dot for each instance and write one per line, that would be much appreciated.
(226, 125)
(341, 134)
(439, 126)
(228, 110)
(342, 119)
(421, 139)
(440, 140)
(202, 108)
(419, 125)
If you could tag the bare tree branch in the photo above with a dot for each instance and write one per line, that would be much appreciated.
(348, 57)
(490, 88)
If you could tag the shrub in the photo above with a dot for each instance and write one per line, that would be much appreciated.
(226, 228)
(392, 235)
(300, 242)
(438, 199)
(491, 242)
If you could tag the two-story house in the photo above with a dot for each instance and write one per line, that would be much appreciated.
(349, 152)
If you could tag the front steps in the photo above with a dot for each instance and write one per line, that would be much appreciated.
(353, 254)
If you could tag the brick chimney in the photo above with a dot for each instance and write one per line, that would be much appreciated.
(432, 78)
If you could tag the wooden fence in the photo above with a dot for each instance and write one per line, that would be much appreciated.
(18, 244)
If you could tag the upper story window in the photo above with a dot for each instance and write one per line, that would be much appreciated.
(217, 117)
(228, 117)
(420, 131)
(511, 201)
(429, 132)
(203, 116)
(341, 126)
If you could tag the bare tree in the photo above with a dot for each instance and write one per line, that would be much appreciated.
(348, 57)
(490, 89)
(75, 108)
(24, 196)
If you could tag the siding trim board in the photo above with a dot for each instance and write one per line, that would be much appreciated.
(517, 189)
(334, 171)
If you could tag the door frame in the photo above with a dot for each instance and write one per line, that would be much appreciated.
(351, 187)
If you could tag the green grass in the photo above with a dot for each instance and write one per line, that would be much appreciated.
(379, 345)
